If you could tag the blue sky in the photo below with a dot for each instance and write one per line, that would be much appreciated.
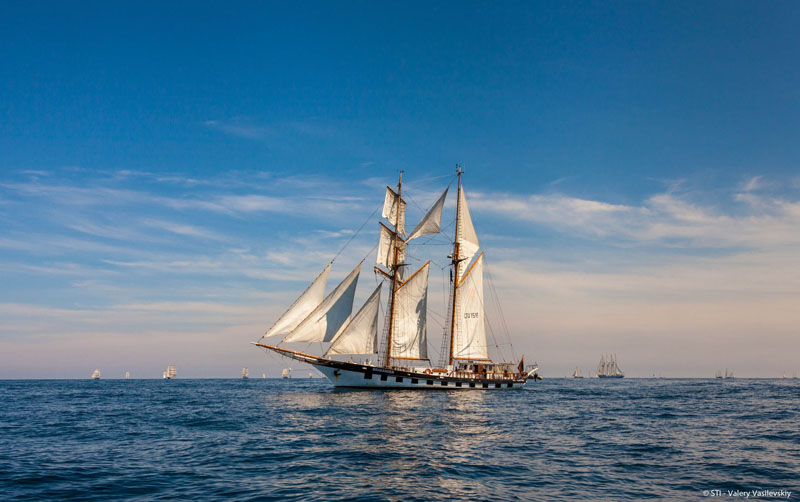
(172, 175)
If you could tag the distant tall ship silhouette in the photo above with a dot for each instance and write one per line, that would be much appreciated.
(577, 373)
(96, 374)
(720, 374)
(245, 373)
(608, 367)
(171, 373)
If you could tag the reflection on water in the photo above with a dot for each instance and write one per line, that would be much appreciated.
(301, 440)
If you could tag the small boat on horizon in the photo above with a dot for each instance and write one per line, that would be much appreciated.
(96, 374)
(286, 373)
(171, 373)
(577, 373)
(127, 375)
(245, 373)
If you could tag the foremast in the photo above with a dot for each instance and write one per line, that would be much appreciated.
(394, 270)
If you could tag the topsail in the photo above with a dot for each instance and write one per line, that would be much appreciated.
(385, 254)
(392, 204)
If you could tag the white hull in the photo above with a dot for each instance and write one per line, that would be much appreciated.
(358, 379)
(354, 375)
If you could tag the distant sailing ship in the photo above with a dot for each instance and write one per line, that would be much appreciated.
(171, 373)
(286, 373)
(402, 349)
(608, 367)
(720, 374)
(127, 375)
(96, 374)
(577, 373)
(245, 373)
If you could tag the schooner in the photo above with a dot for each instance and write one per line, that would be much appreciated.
(401, 351)
(608, 368)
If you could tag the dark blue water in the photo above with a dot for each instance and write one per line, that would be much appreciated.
(560, 439)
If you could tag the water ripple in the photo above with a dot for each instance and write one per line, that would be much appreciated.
(302, 440)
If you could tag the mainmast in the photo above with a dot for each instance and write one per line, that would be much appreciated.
(395, 253)
(455, 262)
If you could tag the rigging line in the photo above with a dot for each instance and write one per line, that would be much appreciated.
(406, 196)
(431, 178)
(357, 232)
(369, 252)
(414, 257)
(496, 295)
(499, 306)
(437, 322)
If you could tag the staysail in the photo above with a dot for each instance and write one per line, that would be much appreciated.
(303, 306)
(409, 333)
(360, 334)
(466, 237)
(431, 222)
(324, 322)
(393, 203)
(469, 337)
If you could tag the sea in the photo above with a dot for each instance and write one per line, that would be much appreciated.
(301, 439)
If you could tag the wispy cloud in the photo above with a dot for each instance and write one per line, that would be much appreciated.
(185, 229)
(666, 218)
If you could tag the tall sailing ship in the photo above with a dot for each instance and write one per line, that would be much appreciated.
(398, 358)
(171, 373)
(96, 374)
(245, 373)
(608, 367)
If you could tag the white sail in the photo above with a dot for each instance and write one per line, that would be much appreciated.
(469, 341)
(466, 237)
(322, 324)
(385, 255)
(409, 334)
(431, 222)
(359, 335)
(303, 306)
(391, 203)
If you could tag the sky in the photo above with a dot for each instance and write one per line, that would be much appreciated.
(174, 174)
